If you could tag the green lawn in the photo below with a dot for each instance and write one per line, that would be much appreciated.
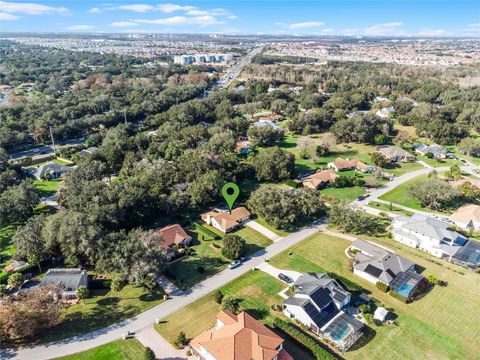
(279, 232)
(103, 308)
(441, 325)
(7, 248)
(208, 259)
(47, 187)
(400, 195)
(389, 208)
(257, 291)
(361, 152)
(130, 349)
(347, 193)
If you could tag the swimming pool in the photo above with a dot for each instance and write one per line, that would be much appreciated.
(341, 331)
(405, 290)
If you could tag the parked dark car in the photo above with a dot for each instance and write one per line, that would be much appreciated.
(285, 278)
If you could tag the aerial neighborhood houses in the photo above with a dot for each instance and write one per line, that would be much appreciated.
(48, 171)
(320, 179)
(434, 151)
(238, 337)
(385, 112)
(436, 238)
(70, 278)
(321, 304)
(226, 221)
(376, 264)
(395, 154)
(344, 165)
(172, 236)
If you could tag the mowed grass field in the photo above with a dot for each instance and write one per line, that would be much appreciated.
(258, 292)
(400, 195)
(130, 349)
(444, 324)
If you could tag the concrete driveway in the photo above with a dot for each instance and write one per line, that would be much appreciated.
(271, 270)
(263, 230)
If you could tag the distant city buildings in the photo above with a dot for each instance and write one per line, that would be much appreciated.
(202, 58)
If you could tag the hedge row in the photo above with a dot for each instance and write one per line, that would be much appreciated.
(398, 296)
(382, 286)
(306, 340)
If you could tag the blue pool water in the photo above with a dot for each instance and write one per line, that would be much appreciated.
(341, 334)
(405, 290)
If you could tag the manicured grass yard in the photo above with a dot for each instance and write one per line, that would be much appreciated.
(7, 249)
(347, 193)
(47, 187)
(271, 228)
(391, 209)
(441, 325)
(399, 195)
(130, 349)
(208, 258)
(103, 307)
(361, 152)
(258, 292)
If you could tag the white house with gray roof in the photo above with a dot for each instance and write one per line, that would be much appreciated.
(318, 302)
(50, 170)
(71, 278)
(428, 234)
(376, 264)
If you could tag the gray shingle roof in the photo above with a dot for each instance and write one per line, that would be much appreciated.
(71, 278)
(379, 262)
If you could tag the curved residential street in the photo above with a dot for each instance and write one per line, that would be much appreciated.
(180, 299)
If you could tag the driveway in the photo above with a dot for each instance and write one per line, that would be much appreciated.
(147, 318)
(263, 230)
(271, 270)
(161, 347)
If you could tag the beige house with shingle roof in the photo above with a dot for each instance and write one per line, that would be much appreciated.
(226, 221)
(467, 217)
(395, 154)
(319, 179)
(238, 337)
(343, 165)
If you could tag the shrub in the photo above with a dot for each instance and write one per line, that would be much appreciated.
(182, 340)
(382, 286)
(433, 280)
(398, 296)
(16, 280)
(118, 282)
(306, 340)
(218, 297)
(149, 354)
(233, 246)
(365, 308)
(201, 269)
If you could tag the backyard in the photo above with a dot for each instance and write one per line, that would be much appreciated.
(129, 349)
(441, 325)
(258, 292)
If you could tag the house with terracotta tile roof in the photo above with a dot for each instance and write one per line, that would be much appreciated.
(320, 179)
(345, 164)
(238, 337)
(226, 221)
(171, 235)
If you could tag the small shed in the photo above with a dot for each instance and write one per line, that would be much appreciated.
(380, 314)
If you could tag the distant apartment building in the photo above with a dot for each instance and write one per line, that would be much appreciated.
(202, 58)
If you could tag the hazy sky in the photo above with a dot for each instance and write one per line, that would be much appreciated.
(371, 18)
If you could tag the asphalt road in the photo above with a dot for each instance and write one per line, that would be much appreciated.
(178, 301)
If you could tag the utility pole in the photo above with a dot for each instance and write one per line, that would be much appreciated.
(125, 115)
(53, 141)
